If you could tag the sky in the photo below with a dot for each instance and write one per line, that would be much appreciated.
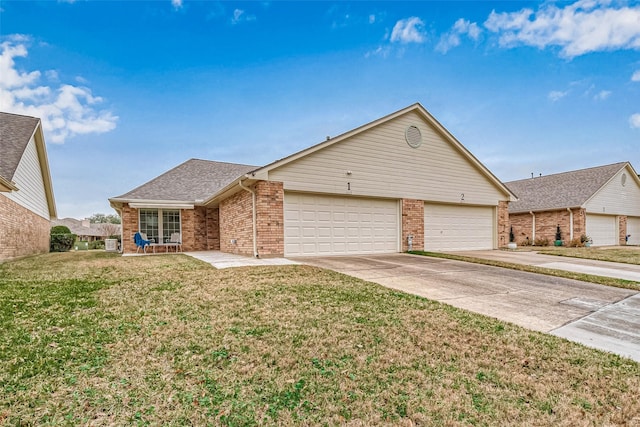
(127, 90)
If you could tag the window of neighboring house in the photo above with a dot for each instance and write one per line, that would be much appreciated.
(159, 231)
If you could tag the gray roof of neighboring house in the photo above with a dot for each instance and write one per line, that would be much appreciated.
(192, 180)
(561, 190)
(76, 227)
(15, 133)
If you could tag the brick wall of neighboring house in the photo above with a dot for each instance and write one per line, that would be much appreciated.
(270, 215)
(546, 224)
(413, 224)
(503, 223)
(22, 232)
(622, 230)
(236, 226)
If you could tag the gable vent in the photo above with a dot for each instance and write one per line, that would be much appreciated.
(623, 179)
(413, 136)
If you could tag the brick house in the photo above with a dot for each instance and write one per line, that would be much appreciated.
(27, 204)
(601, 202)
(400, 181)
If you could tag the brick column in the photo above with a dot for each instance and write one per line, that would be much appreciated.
(503, 223)
(413, 224)
(270, 214)
(129, 228)
(622, 230)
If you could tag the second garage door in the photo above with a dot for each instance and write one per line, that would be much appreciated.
(603, 229)
(633, 228)
(333, 225)
(458, 228)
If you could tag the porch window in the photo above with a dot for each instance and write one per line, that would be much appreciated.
(156, 229)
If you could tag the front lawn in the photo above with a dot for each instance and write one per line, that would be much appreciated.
(628, 255)
(94, 338)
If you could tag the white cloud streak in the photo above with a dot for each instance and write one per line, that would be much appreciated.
(410, 30)
(177, 4)
(636, 76)
(240, 15)
(556, 95)
(451, 39)
(579, 28)
(634, 121)
(602, 95)
(65, 111)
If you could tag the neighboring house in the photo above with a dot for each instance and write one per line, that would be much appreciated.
(601, 202)
(87, 231)
(27, 204)
(366, 191)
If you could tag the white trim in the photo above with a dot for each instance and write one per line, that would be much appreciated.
(161, 206)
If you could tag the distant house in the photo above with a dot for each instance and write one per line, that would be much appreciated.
(399, 182)
(87, 231)
(27, 204)
(601, 202)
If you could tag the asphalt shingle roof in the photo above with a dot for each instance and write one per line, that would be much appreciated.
(15, 133)
(192, 180)
(561, 190)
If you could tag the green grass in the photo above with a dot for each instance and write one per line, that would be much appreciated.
(628, 255)
(96, 339)
(607, 281)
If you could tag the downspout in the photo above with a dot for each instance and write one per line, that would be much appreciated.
(533, 227)
(570, 223)
(255, 230)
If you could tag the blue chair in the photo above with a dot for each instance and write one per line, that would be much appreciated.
(141, 242)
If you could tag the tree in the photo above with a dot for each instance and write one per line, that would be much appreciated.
(109, 229)
(100, 218)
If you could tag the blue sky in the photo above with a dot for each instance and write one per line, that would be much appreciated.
(130, 89)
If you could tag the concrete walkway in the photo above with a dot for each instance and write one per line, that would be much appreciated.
(222, 260)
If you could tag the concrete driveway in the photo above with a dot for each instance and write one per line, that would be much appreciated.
(534, 301)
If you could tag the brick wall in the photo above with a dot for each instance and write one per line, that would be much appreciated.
(236, 224)
(622, 230)
(236, 221)
(503, 223)
(546, 223)
(129, 228)
(213, 229)
(22, 232)
(413, 223)
(270, 224)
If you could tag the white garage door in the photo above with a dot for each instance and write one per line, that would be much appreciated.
(633, 228)
(458, 228)
(603, 229)
(329, 225)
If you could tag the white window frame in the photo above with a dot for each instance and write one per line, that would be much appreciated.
(160, 221)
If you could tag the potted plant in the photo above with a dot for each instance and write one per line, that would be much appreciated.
(558, 241)
(512, 244)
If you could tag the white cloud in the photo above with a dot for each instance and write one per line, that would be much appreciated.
(382, 51)
(602, 95)
(636, 76)
(240, 15)
(65, 112)
(410, 30)
(556, 95)
(372, 19)
(634, 121)
(177, 4)
(579, 28)
(451, 39)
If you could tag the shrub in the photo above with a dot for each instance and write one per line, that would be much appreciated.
(61, 239)
(575, 243)
(96, 244)
(541, 241)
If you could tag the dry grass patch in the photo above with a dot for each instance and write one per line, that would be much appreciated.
(628, 255)
(169, 340)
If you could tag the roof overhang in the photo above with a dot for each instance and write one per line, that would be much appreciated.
(7, 186)
(44, 167)
(151, 204)
(231, 189)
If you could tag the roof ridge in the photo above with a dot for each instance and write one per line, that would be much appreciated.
(569, 172)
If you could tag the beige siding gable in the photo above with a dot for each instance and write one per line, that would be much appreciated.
(617, 199)
(28, 178)
(378, 162)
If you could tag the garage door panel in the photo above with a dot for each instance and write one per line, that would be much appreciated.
(333, 225)
(633, 228)
(603, 229)
(455, 228)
